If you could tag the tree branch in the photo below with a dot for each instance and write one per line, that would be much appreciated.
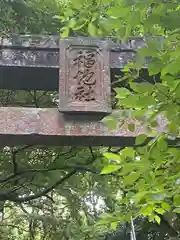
(15, 167)
(39, 194)
(50, 198)
(14, 226)
(92, 154)
(16, 199)
(14, 153)
(19, 173)
(25, 172)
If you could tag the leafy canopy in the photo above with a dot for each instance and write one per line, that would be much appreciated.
(141, 180)
(149, 173)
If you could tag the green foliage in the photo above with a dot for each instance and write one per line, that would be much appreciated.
(140, 182)
(29, 16)
(150, 177)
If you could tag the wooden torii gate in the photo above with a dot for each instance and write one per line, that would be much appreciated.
(82, 70)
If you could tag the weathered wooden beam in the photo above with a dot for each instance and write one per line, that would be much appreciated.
(50, 127)
(32, 62)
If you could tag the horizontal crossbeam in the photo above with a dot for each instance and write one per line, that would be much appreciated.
(32, 62)
(47, 126)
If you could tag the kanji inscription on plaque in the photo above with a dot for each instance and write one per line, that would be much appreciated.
(84, 79)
